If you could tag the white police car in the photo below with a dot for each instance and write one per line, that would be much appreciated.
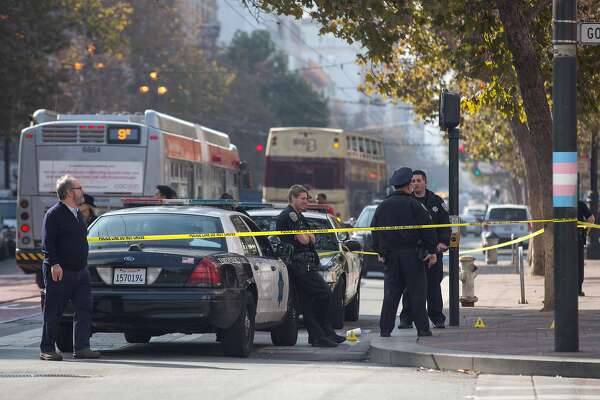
(143, 288)
(340, 267)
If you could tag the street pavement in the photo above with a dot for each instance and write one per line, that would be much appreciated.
(192, 366)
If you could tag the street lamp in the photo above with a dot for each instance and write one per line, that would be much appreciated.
(153, 75)
(162, 90)
(144, 89)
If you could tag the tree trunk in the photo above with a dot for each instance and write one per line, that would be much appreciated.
(531, 84)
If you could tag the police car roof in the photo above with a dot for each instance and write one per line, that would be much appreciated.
(193, 210)
(276, 211)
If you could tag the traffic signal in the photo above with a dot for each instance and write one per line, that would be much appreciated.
(461, 152)
(475, 170)
(260, 148)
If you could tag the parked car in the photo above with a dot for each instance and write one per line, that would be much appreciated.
(231, 286)
(365, 238)
(340, 267)
(505, 232)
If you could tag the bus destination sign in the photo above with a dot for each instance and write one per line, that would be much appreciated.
(124, 134)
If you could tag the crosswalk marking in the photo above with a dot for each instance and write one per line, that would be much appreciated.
(506, 387)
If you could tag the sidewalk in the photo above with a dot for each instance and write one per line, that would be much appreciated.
(517, 339)
(14, 284)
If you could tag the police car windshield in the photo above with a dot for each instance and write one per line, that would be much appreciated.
(324, 241)
(158, 224)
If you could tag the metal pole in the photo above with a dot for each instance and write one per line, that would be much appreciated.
(513, 248)
(453, 135)
(564, 157)
(520, 266)
(593, 244)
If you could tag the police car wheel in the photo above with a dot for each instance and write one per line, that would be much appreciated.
(137, 337)
(286, 334)
(64, 339)
(353, 309)
(339, 297)
(239, 338)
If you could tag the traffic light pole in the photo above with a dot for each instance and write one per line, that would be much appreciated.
(453, 136)
(564, 167)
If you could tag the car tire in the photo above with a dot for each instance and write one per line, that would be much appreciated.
(239, 338)
(352, 310)
(137, 337)
(337, 312)
(286, 334)
(64, 338)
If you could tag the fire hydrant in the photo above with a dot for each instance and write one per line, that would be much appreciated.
(468, 272)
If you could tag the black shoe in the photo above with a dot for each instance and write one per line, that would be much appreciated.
(50, 356)
(581, 294)
(87, 354)
(439, 325)
(385, 334)
(323, 341)
(424, 333)
(336, 338)
(405, 325)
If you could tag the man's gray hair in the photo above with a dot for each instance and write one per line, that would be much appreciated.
(63, 185)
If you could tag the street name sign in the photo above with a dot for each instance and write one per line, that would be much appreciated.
(589, 32)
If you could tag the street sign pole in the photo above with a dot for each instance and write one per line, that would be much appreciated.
(453, 275)
(564, 167)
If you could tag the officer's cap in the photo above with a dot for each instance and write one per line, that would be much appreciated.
(401, 177)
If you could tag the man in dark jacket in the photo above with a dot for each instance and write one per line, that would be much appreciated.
(405, 252)
(66, 277)
(439, 215)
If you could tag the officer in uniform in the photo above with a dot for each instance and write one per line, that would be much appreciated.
(406, 253)
(439, 215)
(313, 291)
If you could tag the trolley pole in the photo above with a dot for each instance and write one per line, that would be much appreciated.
(564, 159)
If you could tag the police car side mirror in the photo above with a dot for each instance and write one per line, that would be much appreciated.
(352, 245)
(343, 236)
(275, 244)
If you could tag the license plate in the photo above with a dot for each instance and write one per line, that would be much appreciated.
(129, 276)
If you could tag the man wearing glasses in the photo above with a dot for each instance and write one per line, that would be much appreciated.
(66, 277)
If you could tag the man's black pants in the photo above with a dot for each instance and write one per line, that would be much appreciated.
(74, 287)
(315, 296)
(403, 270)
(435, 302)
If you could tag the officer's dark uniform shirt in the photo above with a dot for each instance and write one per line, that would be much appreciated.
(401, 209)
(439, 215)
(289, 220)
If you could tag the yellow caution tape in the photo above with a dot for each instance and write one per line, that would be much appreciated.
(505, 244)
(313, 231)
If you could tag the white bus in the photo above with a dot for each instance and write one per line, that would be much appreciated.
(349, 168)
(115, 156)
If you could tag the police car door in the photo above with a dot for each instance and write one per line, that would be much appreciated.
(263, 273)
(279, 270)
(353, 261)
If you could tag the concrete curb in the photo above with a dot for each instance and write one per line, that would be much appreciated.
(404, 352)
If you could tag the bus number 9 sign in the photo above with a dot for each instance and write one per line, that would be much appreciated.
(124, 134)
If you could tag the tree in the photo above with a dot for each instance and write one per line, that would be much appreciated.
(505, 44)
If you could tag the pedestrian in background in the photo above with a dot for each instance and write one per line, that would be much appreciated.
(313, 291)
(439, 215)
(88, 210)
(405, 253)
(66, 277)
(165, 192)
(585, 215)
(322, 199)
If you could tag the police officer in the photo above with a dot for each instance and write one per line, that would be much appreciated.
(313, 291)
(439, 215)
(585, 215)
(406, 253)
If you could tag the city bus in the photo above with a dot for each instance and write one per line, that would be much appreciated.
(349, 168)
(115, 156)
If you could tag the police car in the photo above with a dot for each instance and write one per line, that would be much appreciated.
(229, 285)
(340, 267)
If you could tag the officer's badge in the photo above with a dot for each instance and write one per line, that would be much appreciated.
(293, 216)
(445, 207)
(434, 209)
